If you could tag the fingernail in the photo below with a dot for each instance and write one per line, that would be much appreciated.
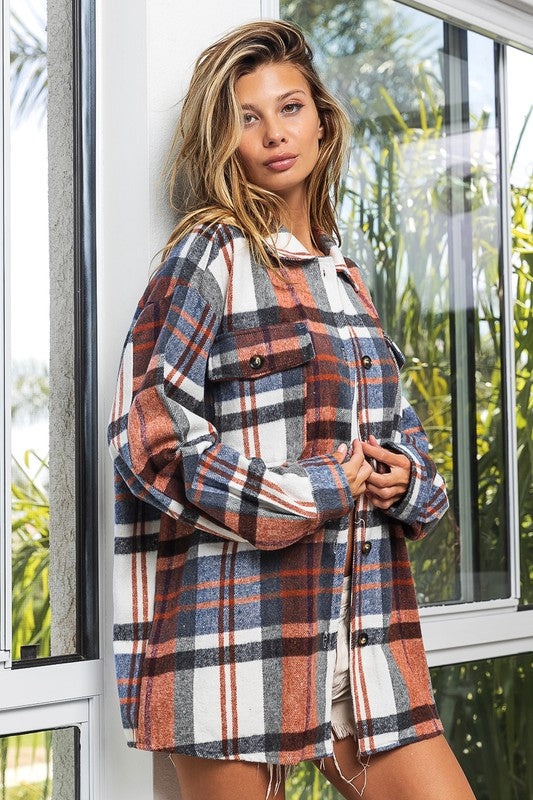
(343, 447)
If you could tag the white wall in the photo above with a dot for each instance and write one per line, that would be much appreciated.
(145, 52)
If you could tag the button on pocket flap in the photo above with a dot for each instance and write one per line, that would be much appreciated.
(397, 353)
(253, 352)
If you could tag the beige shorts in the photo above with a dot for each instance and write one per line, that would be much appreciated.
(342, 716)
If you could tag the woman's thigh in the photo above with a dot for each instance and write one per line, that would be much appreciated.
(417, 771)
(216, 779)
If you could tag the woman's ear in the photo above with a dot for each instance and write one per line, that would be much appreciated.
(320, 129)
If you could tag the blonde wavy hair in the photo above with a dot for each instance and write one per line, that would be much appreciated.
(203, 156)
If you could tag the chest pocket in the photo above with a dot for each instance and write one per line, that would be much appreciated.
(396, 352)
(257, 389)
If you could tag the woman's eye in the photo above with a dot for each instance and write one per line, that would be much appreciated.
(294, 106)
(248, 118)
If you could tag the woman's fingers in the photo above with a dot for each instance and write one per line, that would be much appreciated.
(378, 503)
(340, 452)
(357, 454)
(382, 479)
(356, 469)
(383, 489)
(384, 455)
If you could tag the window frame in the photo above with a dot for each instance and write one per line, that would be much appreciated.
(86, 394)
(25, 713)
(61, 691)
(484, 629)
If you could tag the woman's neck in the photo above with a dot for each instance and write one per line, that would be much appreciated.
(299, 225)
(302, 231)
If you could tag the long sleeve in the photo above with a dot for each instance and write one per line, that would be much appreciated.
(425, 500)
(166, 450)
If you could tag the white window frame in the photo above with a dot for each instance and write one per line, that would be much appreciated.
(48, 696)
(508, 21)
(58, 696)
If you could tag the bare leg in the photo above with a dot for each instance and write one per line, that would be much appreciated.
(417, 771)
(216, 779)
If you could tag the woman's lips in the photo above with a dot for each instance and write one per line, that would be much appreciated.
(283, 164)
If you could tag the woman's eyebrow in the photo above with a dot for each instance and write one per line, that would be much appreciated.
(251, 107)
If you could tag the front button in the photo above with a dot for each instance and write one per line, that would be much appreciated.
(256, 361)
(362, 639)
(367, 362)
(366, 548)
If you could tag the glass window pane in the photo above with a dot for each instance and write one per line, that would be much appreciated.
(520, 105)
(43, 452)
(40, 765)
(485, 707)
(419, 211)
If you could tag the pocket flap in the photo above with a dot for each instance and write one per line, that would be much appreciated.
(397, 353)
(254, 352)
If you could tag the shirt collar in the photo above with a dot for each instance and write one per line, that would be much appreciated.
(290, 249)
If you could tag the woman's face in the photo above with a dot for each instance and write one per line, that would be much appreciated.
(282, 129)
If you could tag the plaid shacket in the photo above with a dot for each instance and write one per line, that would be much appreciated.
(231, 513)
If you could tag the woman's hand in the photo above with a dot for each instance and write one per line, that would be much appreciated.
(356, 469)
(388, 485)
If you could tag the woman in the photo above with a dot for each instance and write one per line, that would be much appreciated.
(258, 416)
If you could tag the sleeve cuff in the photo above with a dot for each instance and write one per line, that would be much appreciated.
(331, 490)
(409, 509)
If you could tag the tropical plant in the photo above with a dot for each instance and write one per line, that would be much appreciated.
(30, 555)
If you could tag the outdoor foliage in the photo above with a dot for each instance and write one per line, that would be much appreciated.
(26, 750)
(30, 555)
(485, 707)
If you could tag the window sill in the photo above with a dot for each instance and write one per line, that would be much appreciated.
(472, 634)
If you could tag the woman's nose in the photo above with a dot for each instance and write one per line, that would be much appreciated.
(274, 133)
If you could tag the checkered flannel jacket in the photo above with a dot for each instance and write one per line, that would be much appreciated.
(236, 385)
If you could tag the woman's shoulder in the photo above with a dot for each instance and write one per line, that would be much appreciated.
(205, 242)
(200, 259)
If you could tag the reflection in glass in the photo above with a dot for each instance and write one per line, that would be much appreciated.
(39, 766)
(419, 212)
(42, 358)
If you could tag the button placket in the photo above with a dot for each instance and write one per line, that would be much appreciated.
(361, 637)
